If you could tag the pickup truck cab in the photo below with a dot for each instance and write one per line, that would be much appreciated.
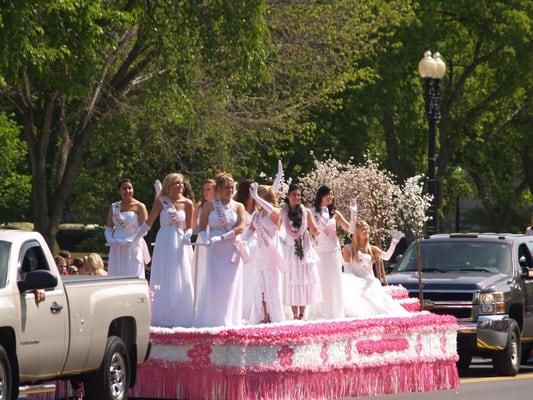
(486, 281)
(90, 329)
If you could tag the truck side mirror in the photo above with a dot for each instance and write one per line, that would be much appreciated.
(399, 258)
(37, 279)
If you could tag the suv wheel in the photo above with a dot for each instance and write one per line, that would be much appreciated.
(507, 361)
(6, 383)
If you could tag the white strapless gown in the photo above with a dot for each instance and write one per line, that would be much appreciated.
(221, 300)
(363, 294)
(127, 260)
(171, 284)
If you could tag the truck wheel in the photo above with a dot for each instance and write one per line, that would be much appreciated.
(6, 381)
(464, 361)
(112, 380)
(507, 361)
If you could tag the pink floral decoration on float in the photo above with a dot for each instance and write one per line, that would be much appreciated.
(348, 351)
(285, 356)
(381, 346)
(199, 355)
(324, 353)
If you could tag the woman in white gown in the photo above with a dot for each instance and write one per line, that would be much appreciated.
(329, 256)
(244, 197)
(268, 278)
(123, 220)
(302, 282)
(221, 300)
(363, 294)
(200, 252)
(171, 286)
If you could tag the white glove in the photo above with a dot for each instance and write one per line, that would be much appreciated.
(215, 239)
(108, 233)
(141, 232)
(353, 215)
(269, 208)
(157, 187)
(276, 185)
(397, 236)
(186, 239)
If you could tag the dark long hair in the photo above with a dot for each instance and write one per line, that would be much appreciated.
(123, 181)
(295, 215)
(320, 193)
(243, 191)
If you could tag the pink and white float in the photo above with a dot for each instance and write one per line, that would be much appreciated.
(304, 360)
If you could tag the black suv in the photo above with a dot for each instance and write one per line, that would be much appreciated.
(486, 281)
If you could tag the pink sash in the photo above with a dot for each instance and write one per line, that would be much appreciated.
(172, 212)
(240, 250)
(274, 250)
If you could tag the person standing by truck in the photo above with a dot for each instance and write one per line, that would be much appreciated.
(123, 220)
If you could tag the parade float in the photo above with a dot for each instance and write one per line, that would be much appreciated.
(304, 360)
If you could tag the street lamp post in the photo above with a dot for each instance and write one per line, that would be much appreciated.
(432, 70)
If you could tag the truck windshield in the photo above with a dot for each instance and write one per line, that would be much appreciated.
(4, 257)
(455, 256)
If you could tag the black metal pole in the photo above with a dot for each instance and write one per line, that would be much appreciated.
(432, 100)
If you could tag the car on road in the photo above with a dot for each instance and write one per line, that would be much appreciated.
(88, 328)
(486, 281)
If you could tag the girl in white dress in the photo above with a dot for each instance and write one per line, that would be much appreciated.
(123, 220)
(270, 266)
(244, 197)
(221, 300)
(363, 294)
(200, 252)
(302, 282)
(329, 256)
(171, 284)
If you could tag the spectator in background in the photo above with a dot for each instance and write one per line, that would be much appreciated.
(67, 256)
(61, 265)
(73, 270)
(78, 263)
(94, 265)
(529, 229)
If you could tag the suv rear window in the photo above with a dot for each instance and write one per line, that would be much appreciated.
(460, 255)
(4, 258)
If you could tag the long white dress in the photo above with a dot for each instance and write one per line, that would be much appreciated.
(268, 277)
(126, 260)
(199, 265)
(363, 294)
(329, 268)
(249, 272)
(302, 282)
(171, 284)
(221, 300)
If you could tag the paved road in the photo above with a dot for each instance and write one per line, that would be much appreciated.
(480, 383)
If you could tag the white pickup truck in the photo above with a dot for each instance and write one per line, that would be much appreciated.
(89, 329)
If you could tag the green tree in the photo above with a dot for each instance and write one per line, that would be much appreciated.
(15, 182)
(67, 65)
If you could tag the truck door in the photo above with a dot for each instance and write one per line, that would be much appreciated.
(43, 342)
(526, 261)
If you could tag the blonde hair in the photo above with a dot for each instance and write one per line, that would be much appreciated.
(366, 247)
(94, 265)
(168, 181)
(206, 182)
(266, 193)
(222, 179)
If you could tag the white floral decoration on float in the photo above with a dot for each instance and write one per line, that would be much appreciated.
(384, 204)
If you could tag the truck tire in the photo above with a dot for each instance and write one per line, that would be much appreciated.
(506, 362)
(112, 380)
(6, 378)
